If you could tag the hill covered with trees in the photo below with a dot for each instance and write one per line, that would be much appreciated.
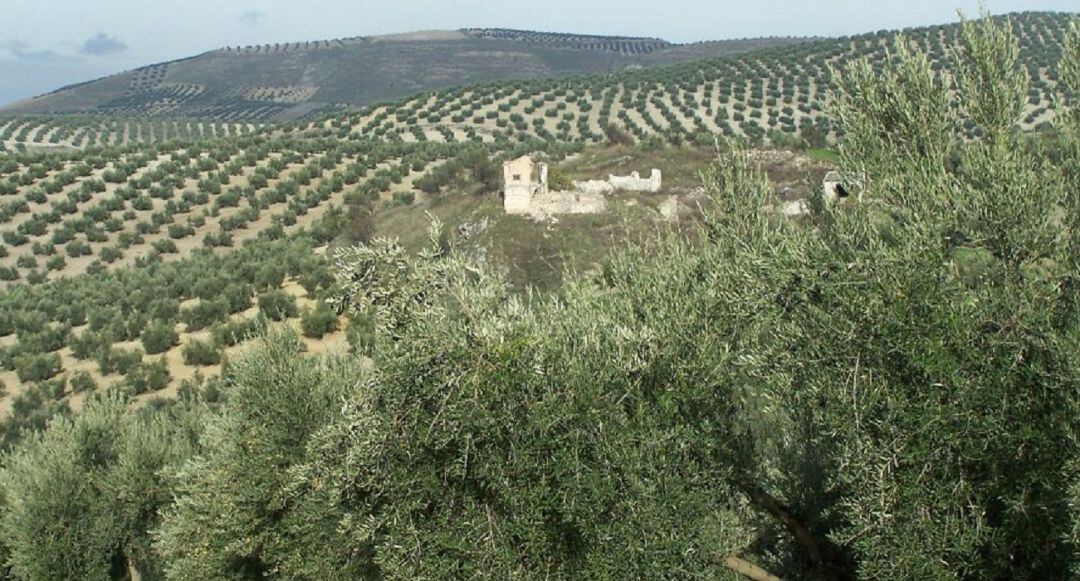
(293, 80)
(772, 95)
(764, 91)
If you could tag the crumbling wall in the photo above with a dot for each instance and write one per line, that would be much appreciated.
(517, 199)
(594, 187)
(832, 186)
(553, 203)
(635, 183)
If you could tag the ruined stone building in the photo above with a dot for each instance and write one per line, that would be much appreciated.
(527, 192)
(833, 187)
(524, 180)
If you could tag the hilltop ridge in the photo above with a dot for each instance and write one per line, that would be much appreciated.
(285, 81)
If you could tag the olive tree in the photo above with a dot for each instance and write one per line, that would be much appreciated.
(80, 499)
(233, 515)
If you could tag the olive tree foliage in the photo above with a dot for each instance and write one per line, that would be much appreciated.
(382, 277)
(992, 87)
(954, 404)
(232, 516)
(1070, 121)
(888, 390)
(501, 436)
(80, 499)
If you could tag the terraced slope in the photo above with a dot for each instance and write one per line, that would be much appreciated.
(290, 81)
(65, 132)
(67, 216)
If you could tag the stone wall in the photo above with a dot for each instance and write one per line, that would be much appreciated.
(594, 187)
(635, 183)
(554, 203)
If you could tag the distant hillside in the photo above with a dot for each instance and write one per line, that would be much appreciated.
(765, 91)
(290, 81)
(774, 94)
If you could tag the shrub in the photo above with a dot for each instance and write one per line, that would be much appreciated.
(81, 382)
(147, 377)
(77, 248)
(278, 305)
(318, 321)
(403, 198)
(110, 254)
(233, 332)
(200, 353)
(118, 360)
(87, 344)
(238, 296)
(205, 314)
(39, 367)
(158, 338)
(164, 246)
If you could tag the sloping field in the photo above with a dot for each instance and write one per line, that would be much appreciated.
(290, 81)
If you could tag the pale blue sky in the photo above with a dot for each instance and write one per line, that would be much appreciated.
(45, 44)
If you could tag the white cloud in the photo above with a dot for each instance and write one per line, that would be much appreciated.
(102, 44)
(251, 18)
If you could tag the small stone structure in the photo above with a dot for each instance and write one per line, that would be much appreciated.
(524, 180)
(526, 190)
(594, 187)
(833, 186)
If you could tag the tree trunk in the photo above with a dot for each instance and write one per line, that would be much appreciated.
(133, 572)
(749, 570)
(826, 557)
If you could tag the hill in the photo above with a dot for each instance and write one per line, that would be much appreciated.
(774, 94)
(216, 217)
(290, 81)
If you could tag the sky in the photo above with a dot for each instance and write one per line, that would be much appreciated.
(47, 44)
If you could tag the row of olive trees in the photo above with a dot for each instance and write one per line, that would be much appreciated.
(771, 93)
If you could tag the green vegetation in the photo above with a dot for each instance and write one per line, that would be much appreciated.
(159, 337)
(201, 353)
(887, 387)
(776, 96)
(238, 85)
(824, 155)
(319, 321)
(278, 305)
(107, 463)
